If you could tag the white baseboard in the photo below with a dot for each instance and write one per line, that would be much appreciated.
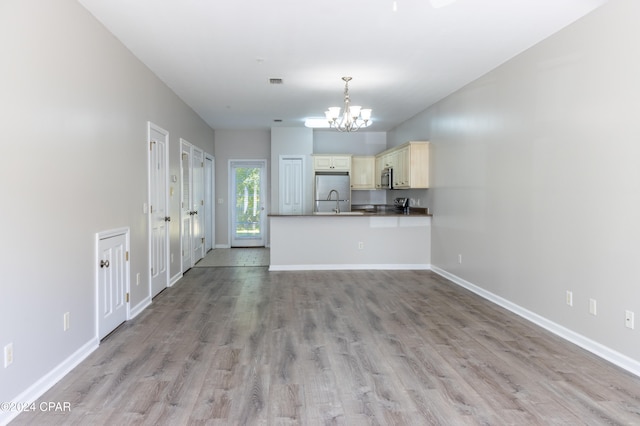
(175, 279)
(348, 267)
(223, 246)
(36, 390)
(135, 311)
(621, 360)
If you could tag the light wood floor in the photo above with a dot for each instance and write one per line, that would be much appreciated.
(247, 346)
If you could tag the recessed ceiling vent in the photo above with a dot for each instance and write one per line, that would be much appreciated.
(275, 81)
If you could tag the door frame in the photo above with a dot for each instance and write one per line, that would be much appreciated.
(209, 204)
(263, 192)
(150, 128)
(99, 236)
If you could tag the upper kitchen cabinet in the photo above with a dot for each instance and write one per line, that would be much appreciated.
(384, 160)
(410, 164)
(363, 173)
(332, 163)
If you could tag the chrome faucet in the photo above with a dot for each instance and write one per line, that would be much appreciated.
(337, 209)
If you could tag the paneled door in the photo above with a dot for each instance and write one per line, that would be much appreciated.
(186, 212)
(197, 204)
(158, 208)
(193, 204)
(247, 198)
(113, 273)
(291, 184)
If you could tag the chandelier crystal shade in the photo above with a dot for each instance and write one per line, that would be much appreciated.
(353, 117)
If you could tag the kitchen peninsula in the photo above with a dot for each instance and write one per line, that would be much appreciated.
(356, 240)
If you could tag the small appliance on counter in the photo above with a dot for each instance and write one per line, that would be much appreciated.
(401, 204)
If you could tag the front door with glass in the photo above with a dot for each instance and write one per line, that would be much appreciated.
(247, 200)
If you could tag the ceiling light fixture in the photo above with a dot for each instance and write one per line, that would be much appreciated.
(352, 118)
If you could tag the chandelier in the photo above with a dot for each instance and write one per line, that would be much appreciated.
(352, 118)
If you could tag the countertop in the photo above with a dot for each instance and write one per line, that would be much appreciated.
(368, 210)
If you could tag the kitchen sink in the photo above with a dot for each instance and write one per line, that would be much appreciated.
(355, 213)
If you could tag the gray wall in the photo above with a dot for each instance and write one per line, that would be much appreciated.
(74, 105)
(358, 143)
(536, 179)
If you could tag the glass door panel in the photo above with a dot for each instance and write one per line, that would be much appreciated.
(247, 211)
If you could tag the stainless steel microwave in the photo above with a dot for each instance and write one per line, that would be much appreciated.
(386, 178)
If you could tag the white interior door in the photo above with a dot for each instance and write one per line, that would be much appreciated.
(186, 212)
(291, 185)
(247, 200)
(197, 200)
(209, 196)
(112, 282)
(158, 208)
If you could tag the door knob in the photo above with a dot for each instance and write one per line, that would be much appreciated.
(104, 263)
(167, 218)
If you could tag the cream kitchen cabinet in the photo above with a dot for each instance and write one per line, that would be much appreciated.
(413, 165)
(363, 173)
(401, 170)
(333, 163)
(388, 159)
(378, 171)
(410, 164)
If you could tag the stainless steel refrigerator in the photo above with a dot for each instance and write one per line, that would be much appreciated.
(332, 190)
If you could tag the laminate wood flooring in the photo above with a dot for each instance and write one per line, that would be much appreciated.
(244, 346)
(254, 256)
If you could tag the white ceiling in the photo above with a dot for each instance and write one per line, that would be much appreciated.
(218, 56)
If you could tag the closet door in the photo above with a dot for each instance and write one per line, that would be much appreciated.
(186, 215)
(158, 208)
(291, 185)
(113, 280)
(197, 204)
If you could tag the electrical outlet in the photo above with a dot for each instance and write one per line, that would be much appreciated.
(360, 245)
(460, 259)
(593, 309)
(569, 298)
(629, 319)
(8, 355)
(65, 321)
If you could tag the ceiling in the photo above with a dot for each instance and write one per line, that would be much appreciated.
(218, 56)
